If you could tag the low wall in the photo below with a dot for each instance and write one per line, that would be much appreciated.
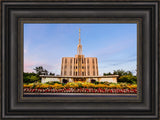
(113, 80)
(44, 80)
(70, 79)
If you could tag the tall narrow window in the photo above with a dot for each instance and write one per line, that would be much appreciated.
(76, 61)
(66, 60)
(93, 72)
(82, 73)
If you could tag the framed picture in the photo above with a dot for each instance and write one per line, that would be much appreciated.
(80, 75)
(80, 60)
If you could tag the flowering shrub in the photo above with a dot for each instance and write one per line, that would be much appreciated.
(81, 85)
(57, 86)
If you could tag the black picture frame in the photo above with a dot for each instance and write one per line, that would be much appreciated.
(15, 13)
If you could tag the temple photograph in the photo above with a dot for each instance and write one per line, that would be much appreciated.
(80, 59)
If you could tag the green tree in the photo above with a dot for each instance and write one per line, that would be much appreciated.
(31, 77)
(124, 76)
(45, 72)
(129, 73)
(34, 78)
(40, 70)
(128, 78)
(119, 72)
(52, 73)
(109, 73)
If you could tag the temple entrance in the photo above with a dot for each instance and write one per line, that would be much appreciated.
(79, 79)
(64, 81)
(93, 81)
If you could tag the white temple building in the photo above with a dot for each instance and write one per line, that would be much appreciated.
(79, 68)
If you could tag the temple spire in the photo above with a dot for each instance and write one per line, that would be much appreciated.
(79, 47)
(79, 36)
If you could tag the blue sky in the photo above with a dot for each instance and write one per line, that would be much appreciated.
(115, 45)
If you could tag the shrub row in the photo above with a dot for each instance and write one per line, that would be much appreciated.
(81, 85)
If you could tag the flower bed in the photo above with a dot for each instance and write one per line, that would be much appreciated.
(80, 85)
(80, 90)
